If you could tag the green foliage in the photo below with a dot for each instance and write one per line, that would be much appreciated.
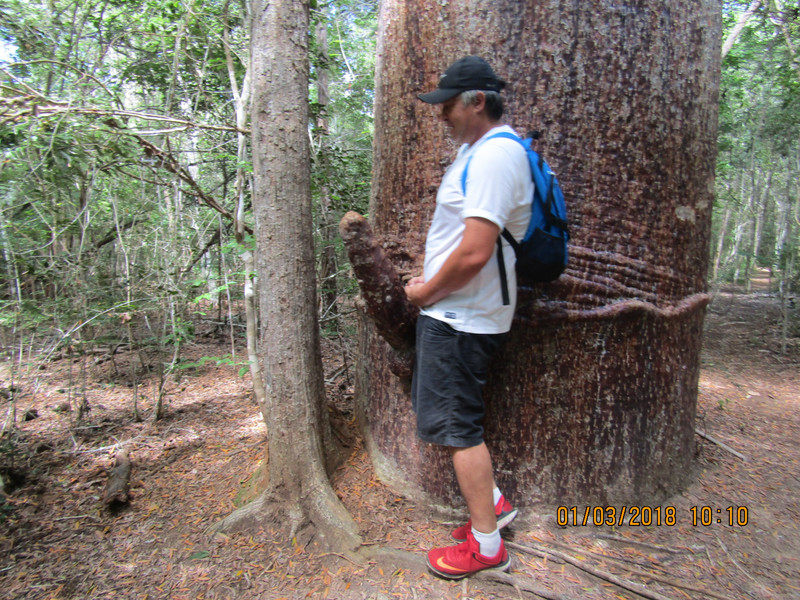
(90, 215)
(219, 361)
(342, 165)
(119, 130)
(345, 175)
(759, 145)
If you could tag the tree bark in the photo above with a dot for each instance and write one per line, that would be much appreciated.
(593, 398)
(300, 440)
(382, 293)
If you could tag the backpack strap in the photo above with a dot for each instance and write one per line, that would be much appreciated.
(510, 239)
(501, 265)
(464, 176)
(549, 214)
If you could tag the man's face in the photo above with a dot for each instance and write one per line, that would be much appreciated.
(457, 118)
(462, 121)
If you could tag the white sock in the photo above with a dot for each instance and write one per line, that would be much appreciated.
(496, 493)
(489, 542)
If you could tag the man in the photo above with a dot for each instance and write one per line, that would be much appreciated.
(463, 318)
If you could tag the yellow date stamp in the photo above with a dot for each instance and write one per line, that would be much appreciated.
(616, 516)
(648, 516)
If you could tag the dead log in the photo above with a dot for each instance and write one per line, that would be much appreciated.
(382, 291)
(117, 486)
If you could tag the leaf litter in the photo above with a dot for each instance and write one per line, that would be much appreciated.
(57, 540)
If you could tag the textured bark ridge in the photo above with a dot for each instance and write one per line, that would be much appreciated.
(381, 291)
(593, 397)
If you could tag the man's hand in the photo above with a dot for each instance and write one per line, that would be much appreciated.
(415, 291)
(474, 251)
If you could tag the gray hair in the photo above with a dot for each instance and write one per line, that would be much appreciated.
(494, 102)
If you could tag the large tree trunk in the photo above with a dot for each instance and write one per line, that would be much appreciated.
(593, 398)
(300, 440)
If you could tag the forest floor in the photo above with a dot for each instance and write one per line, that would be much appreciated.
(58, 541)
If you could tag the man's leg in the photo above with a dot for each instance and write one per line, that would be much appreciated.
(473, 468)
(446, 395)
(483, 547)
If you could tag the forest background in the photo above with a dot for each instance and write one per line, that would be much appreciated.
(125, 182)
(125, 166)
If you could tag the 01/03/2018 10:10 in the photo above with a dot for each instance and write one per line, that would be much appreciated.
(646, 516)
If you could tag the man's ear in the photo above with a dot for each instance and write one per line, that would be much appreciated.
(480, 101)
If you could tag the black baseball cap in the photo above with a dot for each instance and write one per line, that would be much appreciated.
(468, 73)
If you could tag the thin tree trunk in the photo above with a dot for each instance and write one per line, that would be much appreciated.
(127, 317)
(14, 287)
(721, 242)
(743, 220)
(327, 270)
(740, 25)
(789, 250)
(780, 20)
(242, 104)
(299, 491)
(176, 57)
(760, 190)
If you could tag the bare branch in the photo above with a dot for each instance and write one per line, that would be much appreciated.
(36, 106)
(60, 64)
(740, 25)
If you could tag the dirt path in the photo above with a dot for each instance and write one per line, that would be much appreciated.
(58, 542)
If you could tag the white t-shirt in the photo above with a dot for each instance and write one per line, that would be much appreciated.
(499, 189)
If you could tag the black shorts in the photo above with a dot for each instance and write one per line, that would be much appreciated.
(449, 375)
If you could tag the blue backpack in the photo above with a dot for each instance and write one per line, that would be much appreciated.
(542, 253)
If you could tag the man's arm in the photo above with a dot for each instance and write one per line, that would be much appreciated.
(466, 261)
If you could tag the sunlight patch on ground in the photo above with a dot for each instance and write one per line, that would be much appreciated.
(709, 385)
(253, 426)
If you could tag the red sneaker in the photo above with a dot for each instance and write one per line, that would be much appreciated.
(457, 562)
(505, 514)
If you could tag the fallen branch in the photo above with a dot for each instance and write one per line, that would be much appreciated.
(652, 576)
(518, 583)
(656, 547)
(734, 561)
(117, 488)
(164, 159)
(30, 106)
(713, 440)
(77, 517)
(631, 586)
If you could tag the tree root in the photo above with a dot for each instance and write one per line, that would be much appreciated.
(316, 515)
(519, 584)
